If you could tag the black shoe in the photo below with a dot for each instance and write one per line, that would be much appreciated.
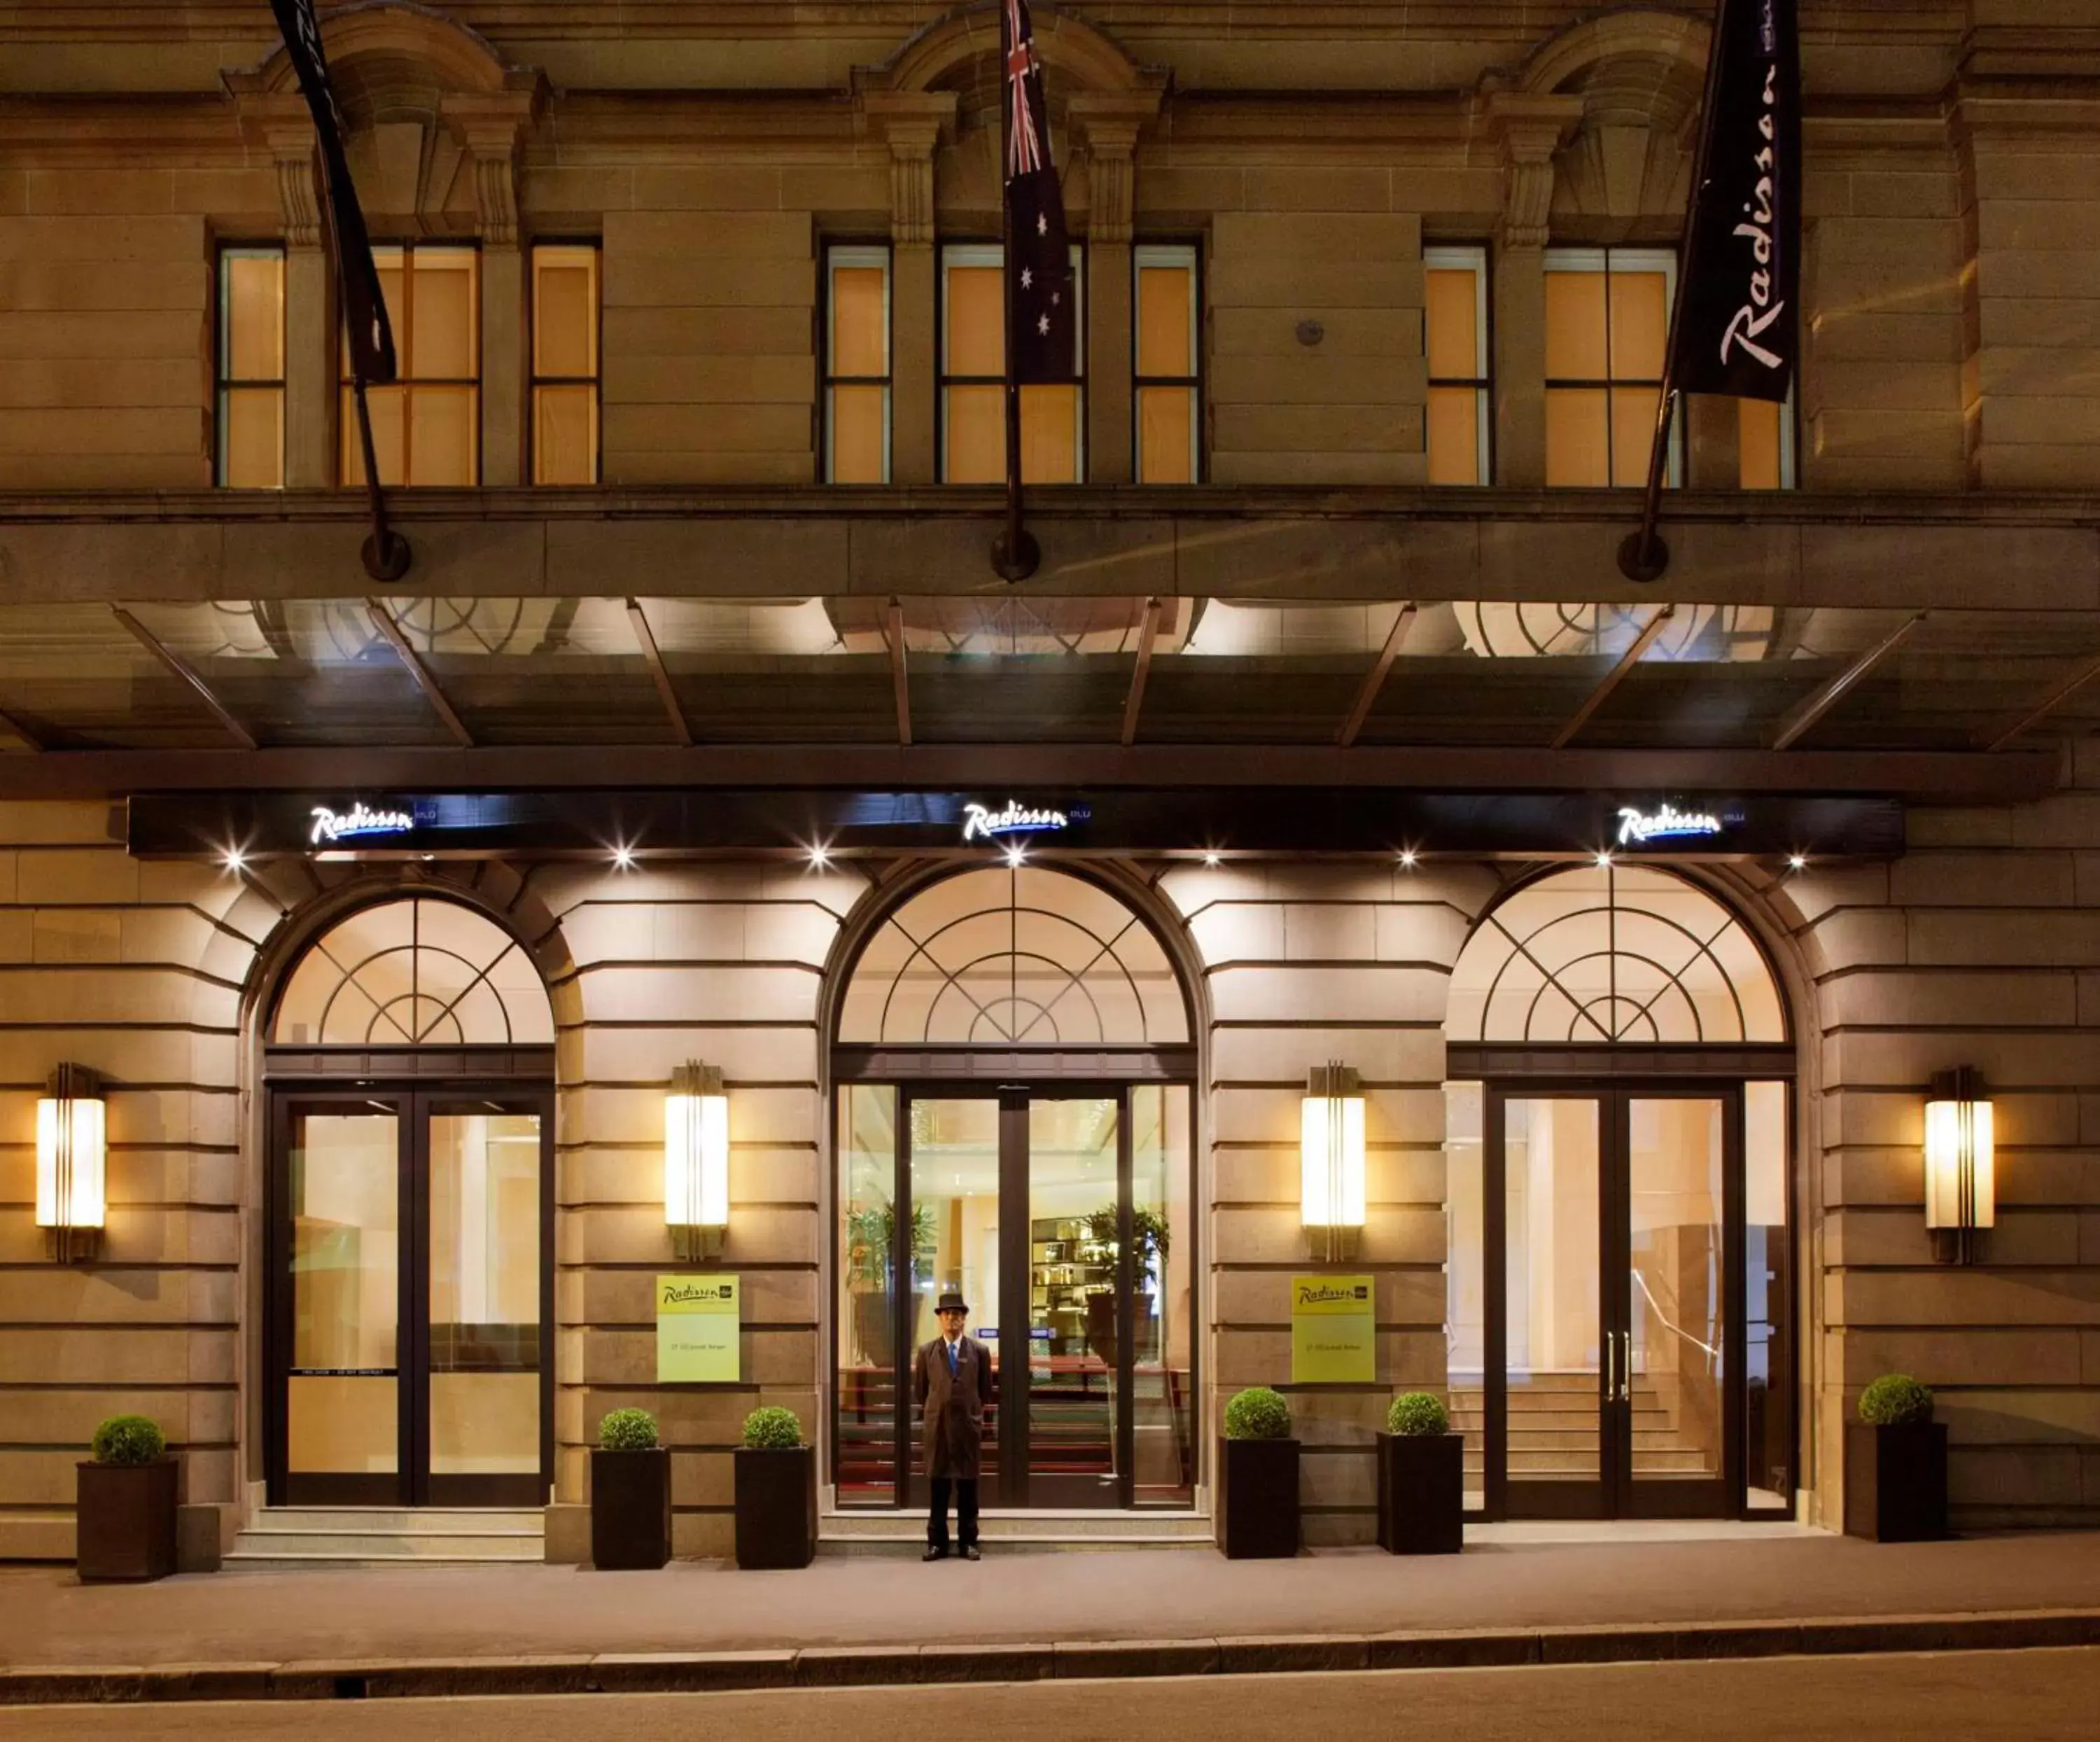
(971, 1553)
(934, 1552)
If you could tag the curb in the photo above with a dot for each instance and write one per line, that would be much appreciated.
(886, 1665)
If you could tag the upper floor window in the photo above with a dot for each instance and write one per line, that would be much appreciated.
(1607, 323)
(426, 427)
(1168, 361)
(1454, 341)
(566, 365)
(856, 380)
(249, 409)
(973, 381)
(1764, 444)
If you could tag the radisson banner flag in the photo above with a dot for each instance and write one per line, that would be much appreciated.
(363, 303)
(1738, 330)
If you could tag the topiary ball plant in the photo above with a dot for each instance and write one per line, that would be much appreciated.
(1416, 1415)
(1895, 1400)
(627, 1431)
(1258, 1413)
(130, 1440)
(773, 1428)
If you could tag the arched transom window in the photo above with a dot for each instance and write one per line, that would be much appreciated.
(421, 971)
(1014, 957)
(1613, 955)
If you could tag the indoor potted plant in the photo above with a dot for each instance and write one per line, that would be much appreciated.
(776, 1492)
(1896, 1464)
(1421, 1479)
(870, 1247)
(125, 1518)
(630, 1494)
(1151, 1236)
(1258, 1478)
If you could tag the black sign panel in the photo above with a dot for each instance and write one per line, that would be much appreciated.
(1186, 820)
(1738, 330)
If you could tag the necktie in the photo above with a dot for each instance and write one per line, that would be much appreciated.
(951, 1360)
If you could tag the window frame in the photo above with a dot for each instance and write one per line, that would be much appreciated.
(1790, 449)
(404, 348)
(980, 253)
(1155, 254)
(858, 256)
(1470, 257)
(1639, 260)
(222, 383)
(534, 380)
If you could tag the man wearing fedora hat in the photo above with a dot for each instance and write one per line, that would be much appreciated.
(951, 1382)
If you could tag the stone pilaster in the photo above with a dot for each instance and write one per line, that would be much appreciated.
(489, 129)
(1528, 131)
(912, 124)
(1108, 125)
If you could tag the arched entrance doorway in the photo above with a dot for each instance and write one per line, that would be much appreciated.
(1620, 1312)
(1015, 1073)
(408, 1063)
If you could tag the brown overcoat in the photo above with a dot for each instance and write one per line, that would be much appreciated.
(953, 1428)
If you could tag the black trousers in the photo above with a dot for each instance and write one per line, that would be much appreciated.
(966, 1512)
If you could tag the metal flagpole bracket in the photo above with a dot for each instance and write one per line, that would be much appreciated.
(1643, 556)
(1026, 556)
(385, 552)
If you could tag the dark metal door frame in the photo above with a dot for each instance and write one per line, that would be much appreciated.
(411, 1484)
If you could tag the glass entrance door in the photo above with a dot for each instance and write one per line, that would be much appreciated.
(1613, 1229)
(1055, 1214)
(409, 1339)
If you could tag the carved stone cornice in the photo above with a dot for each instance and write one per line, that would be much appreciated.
(913, 123)
(1108, 123)
(1528, 130)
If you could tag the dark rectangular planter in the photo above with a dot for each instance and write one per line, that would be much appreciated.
(1422, 1493)
(125, 1521)
(1257, 1499)
(776, 1507)
(630, 1509)
(1896, 1482)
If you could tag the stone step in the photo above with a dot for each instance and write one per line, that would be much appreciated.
(891, 1534)
(285, 1538)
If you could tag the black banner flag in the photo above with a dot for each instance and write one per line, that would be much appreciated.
(363, 305)
(1738, 330)
(1043, 341)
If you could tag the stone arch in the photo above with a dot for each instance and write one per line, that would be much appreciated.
(936, 57)
(393, 35)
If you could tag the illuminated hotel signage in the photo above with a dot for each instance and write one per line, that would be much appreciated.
(982, 824)
(1637, 828)
(332, 825)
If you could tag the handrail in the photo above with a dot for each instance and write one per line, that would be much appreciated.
(1663, 1318)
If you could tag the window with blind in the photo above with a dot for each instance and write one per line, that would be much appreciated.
(1607, 322)
(566, 363)
(856, 380)
(426, 427)
(1454, 341)
(973, 381)
(249, 408)
(1764, 444)
(1167, 358)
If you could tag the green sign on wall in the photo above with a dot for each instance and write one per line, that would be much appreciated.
(1333, 1330)
(697, 1321)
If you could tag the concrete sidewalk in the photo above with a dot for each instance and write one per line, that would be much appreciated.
(553, 1629)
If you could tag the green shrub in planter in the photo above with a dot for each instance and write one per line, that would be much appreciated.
(1895, 1400)
(1416, 1415)
(1258, 1413)
(130, 1440)
(773, 1428)
(627, 1431)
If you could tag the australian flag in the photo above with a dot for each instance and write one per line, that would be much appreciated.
(1043, 347)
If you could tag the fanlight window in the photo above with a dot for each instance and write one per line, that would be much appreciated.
(1613, 954)
(1014, 957)
(418, 972)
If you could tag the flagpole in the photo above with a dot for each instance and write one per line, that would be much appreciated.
(1015, 556)
(385, 552)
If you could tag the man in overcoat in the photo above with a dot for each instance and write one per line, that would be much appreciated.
(951, 1382)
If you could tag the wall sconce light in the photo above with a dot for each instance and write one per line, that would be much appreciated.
(73, 1152)
(1960, 1184)
(1331, 1160)
(696, 1160)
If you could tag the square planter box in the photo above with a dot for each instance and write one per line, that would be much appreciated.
(630, 1509)
(776, 1507)
(1896, 1482)
(126, 1521)
(1421, 1493)
(1257, 1499)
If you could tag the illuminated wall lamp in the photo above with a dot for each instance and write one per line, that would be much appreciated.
(1330, 1142)
(72, 1151)
(696, 1160)
(1960, 1181)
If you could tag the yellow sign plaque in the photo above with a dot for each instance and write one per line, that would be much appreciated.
(1333, 1330)
(697, 1321)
